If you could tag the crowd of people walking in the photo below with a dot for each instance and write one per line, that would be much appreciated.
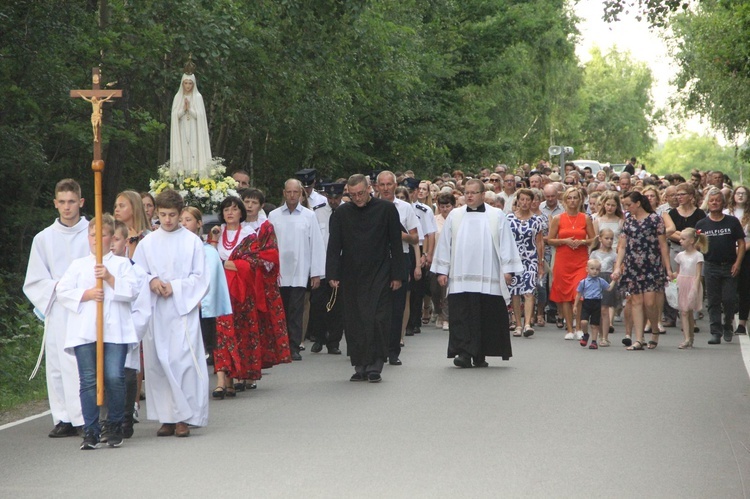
(485, 256)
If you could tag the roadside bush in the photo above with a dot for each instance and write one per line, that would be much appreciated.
(21, 335)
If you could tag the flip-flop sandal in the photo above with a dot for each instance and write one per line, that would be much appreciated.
(517, 332)
(529, 331)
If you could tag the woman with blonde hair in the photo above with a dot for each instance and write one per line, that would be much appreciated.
(570, 232)
(129, 210)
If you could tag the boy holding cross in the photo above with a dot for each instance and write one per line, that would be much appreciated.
(78, 293)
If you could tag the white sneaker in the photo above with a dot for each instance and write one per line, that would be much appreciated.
(445, 326)
(438, 323)
(579, 334)
(570, 336)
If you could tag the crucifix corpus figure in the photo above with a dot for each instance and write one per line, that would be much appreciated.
(97, 97)
(96, 112)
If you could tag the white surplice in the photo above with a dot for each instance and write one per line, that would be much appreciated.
(52, 252)
(302, 253)
(174, 358)
(477, 264)
(119, 327)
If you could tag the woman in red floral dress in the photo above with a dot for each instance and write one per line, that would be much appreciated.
(237, 344)
(261, 252)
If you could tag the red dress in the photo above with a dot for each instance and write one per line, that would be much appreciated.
(255, 335)
(570, 264)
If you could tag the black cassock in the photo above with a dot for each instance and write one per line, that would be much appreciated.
(365, 255)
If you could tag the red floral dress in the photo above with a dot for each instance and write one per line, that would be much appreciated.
(255, 335)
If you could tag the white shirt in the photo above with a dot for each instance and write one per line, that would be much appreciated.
(301, 247)
(119, 327)
(474, 265)
(323, 214)
(509, 199)
(317, 200)
(426, 219)
(408, 220)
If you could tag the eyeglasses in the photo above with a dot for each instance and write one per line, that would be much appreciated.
(494, 180)
(485, 180)
(508, 181)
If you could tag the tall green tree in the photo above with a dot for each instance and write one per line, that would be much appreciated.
(685, 153)
(616, 107)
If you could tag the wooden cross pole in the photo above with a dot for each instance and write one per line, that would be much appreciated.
(98, 97)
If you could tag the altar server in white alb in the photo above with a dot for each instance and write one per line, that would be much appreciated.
(302, 257)
(174, 357)
(78, 293)
(476, 257)
(52, 252)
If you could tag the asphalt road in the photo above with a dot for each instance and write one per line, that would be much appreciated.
(557, 420)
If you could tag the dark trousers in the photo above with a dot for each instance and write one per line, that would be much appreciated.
(398, 305)
(208, 331)
(325, 326)
(721, 294)
(131, 392)
(743, 289)
(418, 292)
(294, 308)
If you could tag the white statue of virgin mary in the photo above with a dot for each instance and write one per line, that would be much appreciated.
(189, 145)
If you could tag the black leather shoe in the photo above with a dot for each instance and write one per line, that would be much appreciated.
(358, 377)
(417, 330)
(296, 355)
(462, 361)
(728, 333)
(480, 362)
(715, 339)
(334, 351)
(395, 362)
(409, 332)
(374, 378)
(62, 430)
(317, 347)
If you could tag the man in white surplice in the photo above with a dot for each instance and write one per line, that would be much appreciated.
(52, 252)
(476, 258)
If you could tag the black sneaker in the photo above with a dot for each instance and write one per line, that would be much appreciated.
(115, 435)
(62, 430)
(740, 330)
(728, 333)
(374, 378)
(104, 434)
(358, 377)
(90, 442)
(715, 339)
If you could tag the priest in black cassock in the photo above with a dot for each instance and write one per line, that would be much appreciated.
(364, 262)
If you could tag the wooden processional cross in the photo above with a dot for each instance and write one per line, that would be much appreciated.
(97, 97)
